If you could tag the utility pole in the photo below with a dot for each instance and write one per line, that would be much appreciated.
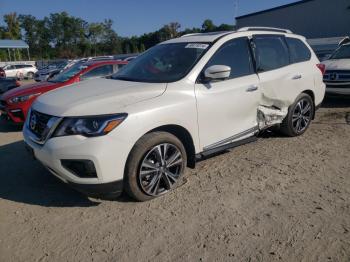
(236, 2)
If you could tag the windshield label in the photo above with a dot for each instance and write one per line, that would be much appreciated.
(197, 46)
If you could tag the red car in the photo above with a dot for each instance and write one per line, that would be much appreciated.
(16, 102)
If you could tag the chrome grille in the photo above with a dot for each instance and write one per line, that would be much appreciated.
(337, 76)
(41, 126)
(38, 122)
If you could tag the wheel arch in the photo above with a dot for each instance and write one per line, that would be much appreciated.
(185, 137)
(312, 95)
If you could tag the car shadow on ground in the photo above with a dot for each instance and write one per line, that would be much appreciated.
(24, 180)
(8, 127)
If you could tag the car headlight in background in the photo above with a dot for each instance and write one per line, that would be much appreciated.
(89, 126)
(20, 99)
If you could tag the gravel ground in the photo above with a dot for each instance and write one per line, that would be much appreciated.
(278, 199)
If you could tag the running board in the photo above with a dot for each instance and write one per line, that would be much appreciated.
(209, 152)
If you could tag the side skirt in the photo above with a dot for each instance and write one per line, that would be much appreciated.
(218, 149)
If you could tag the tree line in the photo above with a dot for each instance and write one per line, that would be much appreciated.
(61, 35)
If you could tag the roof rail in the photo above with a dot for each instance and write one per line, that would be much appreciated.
(261, 28)
(193, 34)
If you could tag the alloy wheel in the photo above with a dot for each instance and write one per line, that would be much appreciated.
(160, 169)
(302, 116)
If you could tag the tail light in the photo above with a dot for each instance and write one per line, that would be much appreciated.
(18, 83)
(322, 68)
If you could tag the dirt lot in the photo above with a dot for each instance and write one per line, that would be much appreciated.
(279, 199)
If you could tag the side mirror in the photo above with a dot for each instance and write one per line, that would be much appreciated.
(217, 72)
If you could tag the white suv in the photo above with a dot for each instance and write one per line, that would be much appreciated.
(337, 75)
(181, 100)
(20, 70)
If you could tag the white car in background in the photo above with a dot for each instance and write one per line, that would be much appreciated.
(337, 75)
(181, 100)
(20, 70)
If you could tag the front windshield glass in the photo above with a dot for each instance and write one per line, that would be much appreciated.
(67, 74)
(342, 53)
(163, 63)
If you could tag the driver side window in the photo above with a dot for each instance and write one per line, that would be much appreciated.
(101, 71)
(235, 54)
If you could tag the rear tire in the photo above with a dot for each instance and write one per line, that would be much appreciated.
(155, 166)
(299, 117)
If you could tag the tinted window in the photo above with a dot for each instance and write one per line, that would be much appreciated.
(19, 66)
(163, 63)
(271, 52)
(98, 72)
(298, 51)
(67, 74)
(236, 55)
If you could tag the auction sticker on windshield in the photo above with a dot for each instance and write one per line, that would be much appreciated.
(197, 46)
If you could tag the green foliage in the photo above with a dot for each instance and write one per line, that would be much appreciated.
(12, 30)
(61, 35)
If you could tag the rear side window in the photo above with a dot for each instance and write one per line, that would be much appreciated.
(298, 51)
(271, 52)
(235, 54)
(101, 71)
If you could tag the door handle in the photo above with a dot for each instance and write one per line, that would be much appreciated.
(296, 77)
(252, 88)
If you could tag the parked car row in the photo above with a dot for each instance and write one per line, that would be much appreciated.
(16, 102)
(49, 71)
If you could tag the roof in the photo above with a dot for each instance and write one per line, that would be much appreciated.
(199, 37)
(274, 9)
(13, 44)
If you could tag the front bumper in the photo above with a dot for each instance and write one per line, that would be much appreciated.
(107, 154)
(17, 113)
(338, 91)
(338, 88)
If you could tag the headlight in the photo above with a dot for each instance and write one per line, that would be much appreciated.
(20, 99)
(89, 126)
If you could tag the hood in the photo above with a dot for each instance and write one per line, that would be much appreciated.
(337, 64)
(31, 89)
(96, 97)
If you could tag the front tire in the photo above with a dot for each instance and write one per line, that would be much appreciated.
(155, 166)
(299, 117)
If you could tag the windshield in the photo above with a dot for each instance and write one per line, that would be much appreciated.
(163, 63)
(67, 74)
(342, 53)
